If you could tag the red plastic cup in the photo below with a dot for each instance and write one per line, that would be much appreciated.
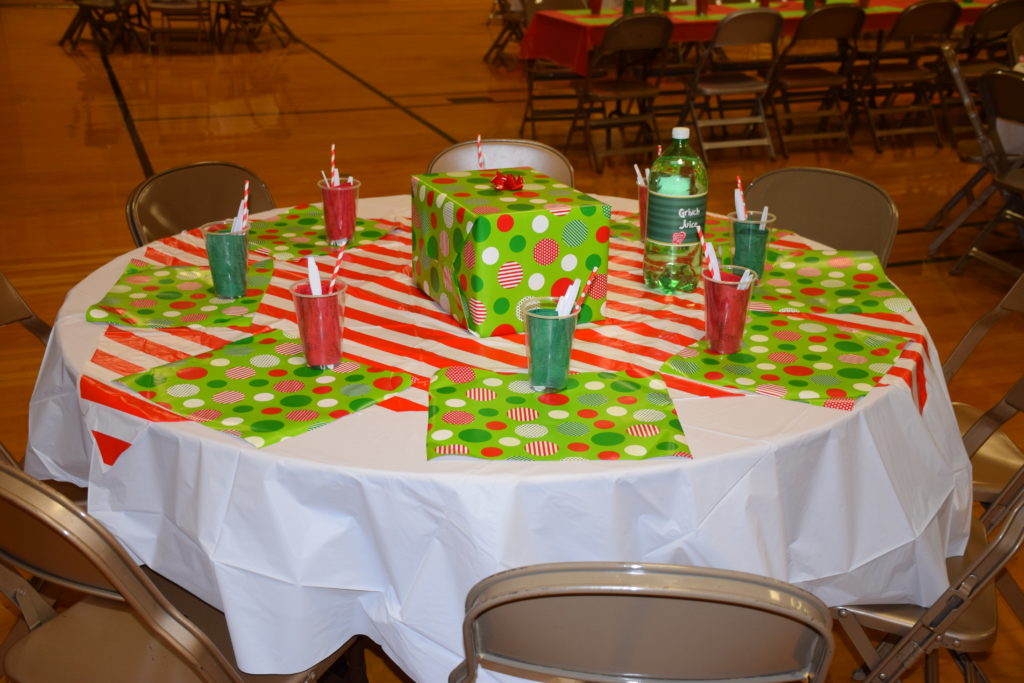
(321, 319)
(641, 196)
(339, 210)
(595, 6)
(725, 308)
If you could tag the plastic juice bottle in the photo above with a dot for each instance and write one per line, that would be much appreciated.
(676, 203)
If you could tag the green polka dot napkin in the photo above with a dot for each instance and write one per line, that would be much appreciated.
(301, 232)
(828, 281)
(795, 358)
(598, 416)
(260, 389)
(178, 296)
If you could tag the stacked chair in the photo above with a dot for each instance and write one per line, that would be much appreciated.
(110, 23)
(620, 87)
(180, 22)
(247, 20)
(513, 24)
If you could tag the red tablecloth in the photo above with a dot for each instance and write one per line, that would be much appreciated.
(567, 37)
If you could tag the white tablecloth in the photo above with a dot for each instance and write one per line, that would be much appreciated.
(350, 529)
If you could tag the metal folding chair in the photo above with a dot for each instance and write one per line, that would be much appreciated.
(462, 156)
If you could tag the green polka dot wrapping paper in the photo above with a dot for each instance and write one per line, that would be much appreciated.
(598, 416)
(260, 389)
(178, 296)
(829, 281)
(795, 358)
(484, 254)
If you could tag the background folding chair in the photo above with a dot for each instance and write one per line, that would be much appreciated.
(620, 87)
(1002, 98)
(13, 309)
(814, 69)
(723, 83)
(247, 19)
(513, 25)
(125, 630)
(984, 45)
(462, 156)
(894, 90)
(110, 23)
(548, 83)
(180, 22)
(961, 621)
(156, 207)
(840, 209)
(610, 621)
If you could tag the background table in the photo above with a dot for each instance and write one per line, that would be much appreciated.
(567, 36)
(350, 529)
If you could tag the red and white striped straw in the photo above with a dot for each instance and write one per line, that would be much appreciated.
(585, 290)
(479, 151)
(337, 269)
(245, 206)
(332, 164)
(710, 256)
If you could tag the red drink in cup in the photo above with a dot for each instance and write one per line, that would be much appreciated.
(725, 308)
(321, 319)
(339, 210)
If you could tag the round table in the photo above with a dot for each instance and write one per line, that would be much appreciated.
(351, 529)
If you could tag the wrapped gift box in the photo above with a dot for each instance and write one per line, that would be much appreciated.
(483, 254)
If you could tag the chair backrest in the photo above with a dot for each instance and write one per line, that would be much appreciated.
(462, 156)
(830, 22)
(13, 309)
(1015, 44)
(931, 627)
(1002, 99)
(632, 48)
(609, 621)
(531, 7)
(188, 196)
(926, 21)
(839, 209)
(748, 27)
(989, 30)
(44, 533)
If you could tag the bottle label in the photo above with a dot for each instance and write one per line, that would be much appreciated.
(668, 216)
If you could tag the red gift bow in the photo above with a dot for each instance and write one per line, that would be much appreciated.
(507, 182)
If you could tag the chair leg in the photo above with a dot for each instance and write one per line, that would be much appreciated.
(1012, 594)
(961, 218)
(978, 241)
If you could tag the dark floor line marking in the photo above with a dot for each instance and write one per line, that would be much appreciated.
(126, 115)
(376, 91)
(940, 259)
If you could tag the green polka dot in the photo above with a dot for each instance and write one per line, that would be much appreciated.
(258, 382)
(266, 425)
(146, 381)
(607, 438)
(574, 233)
(624, 385)
(443, 390)
(168, 295)
(797, 383)
(852, 373)
(432, 247)
(713, 362)
(144, 311)
(501, 306)
(517, 244)
(515, 400)
(216, 384)
(585, 315)
(674, 424)
(521, 207)
(741, 357)
(296, 400)
(871, 303)
(481, 230)
(787, 347)
(847, 292)
(593, 261)
(475, 435)
(667, 446)
(587, 209)
(306, 371)
(848, 346)
(243, 409)
(355, 389)
(355, 377)
(433, 410)
(361, 403)
(477, 283)
(573, 429)
(305, 221)
(488, 412)
(457, 242)
(848, 308)
(811, 357)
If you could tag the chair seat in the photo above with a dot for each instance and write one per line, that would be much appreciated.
(810, 77)
(996, 461)
(973, 70)
(1012, 180)
(975, 629)
(730, 83)
(886, 73)
(609, 89)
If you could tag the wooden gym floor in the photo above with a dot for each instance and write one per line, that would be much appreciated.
(391, 83)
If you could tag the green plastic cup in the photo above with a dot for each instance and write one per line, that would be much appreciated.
(750, 242)
(226, 252)
(549, 345)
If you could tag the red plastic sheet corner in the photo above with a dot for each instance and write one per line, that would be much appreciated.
(110, 447)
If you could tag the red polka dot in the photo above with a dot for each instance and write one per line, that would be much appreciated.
(565, 200)
(713, 375)
(491, 452)
(798, 370)
(497, 425)
(505, 222)
(278, 373)
(560, 285)
(578, 447)
(197, 296)
(338, 413)
(836, 393)
(182, 305)
(388, 383)
(148, 394)
(779, 323)
(587, 413)
(608, 455)
(603, 233)
(253, 292)
(150, 288)
(553, 399)
(268, 340)
(842, 335)
(271, 411)
(463, 282)
(433, 220)
(503, 329)
(770, 378)
(442, 181)
(526, 193)
(206, 354)
(191, 373)
(818, 309)
(880, 352)
(460, 214)
(627, 400)
(817, 339)
(865, 277)
(604, 424)
(461, 194)
(812, 291)
(862, 286)
(321, 389)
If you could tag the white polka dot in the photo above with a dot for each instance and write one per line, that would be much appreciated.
(809, 394)
(536, 281)
(533, 187)
(531, 430)
(680, 438)
(171, 314)
(823, 366)
(231, 421)
(759, 349)
(837, 274)
(98, 313)
(832, 284)
(264, 360)
(483, 187)
(490, 255)
(493, 382)
(325, 379)
(194, 403)
(121, 289)
(817, 348)
(182, 390)
(137, 295)
(509, 441)
(458, 174)
(207, 309)
(263, 397)
(219, 362)
(161, 273)
(635, 450)
(256, 441)
(864, 266)
(811, 327)
(297, 360)
(569, 262)
(758, 338)
(796, 304)
(863, 386)
(765, 366)
(846, 300)
(617, 411)
(783, 290)
(558, 414)
(540, 223)
(594, 386)
(538, 200)
(829, 252)
(442, 434)
(656, 384)
(787, 265)
(327, 402)
(745, 381)
(455, 403)
(648, 415)
(508, 199)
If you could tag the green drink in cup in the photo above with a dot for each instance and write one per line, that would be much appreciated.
(750, 242)
(226, 252)
(549, 344)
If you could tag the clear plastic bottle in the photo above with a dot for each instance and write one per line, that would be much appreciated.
(676, 203)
